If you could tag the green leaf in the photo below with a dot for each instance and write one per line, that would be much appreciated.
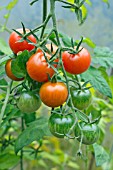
(29, 118)
(8, 161)
(73, 165)
(18, 65)
(84, 12)
(3, 82)
(101, 156)
(89, 42)
(4, 47)
(36, 131)
(103, 56)
(11, 4)
(66, 40)
(98, 82)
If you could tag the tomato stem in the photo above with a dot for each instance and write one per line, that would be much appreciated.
(5, 101)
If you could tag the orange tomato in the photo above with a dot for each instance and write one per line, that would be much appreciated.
(9, 72)
(53, 94)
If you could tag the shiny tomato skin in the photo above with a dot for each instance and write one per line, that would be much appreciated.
(59, 124)
(53, 94)
(38, 68)
(81, 99)
(9, 72)
(89, 133)
(28, 102)
(20, 46)
(76, 63)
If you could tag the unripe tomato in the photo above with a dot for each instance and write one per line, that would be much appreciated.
(28, 102)
(76, 63)
(89, 133)
(21, 46)
(37, 67)
(60, 124)
(9, 72)
(81, 98)
(53, 94)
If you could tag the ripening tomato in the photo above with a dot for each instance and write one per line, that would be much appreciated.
(9, 72)
(37, 67)
(88, 133)
(76, 63)
(21, 46)
(60, 124)
(53, 94)
(28, 102)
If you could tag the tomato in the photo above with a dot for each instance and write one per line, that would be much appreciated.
(53, 94)
(60, 124)
(20, 46)
(81, 98)
(9, 72)
(88, 133)
(37, 67)
(76, 63)
(28, 102)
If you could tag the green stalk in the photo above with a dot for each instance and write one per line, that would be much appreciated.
(21, 153)
(5, 101)
(44, 10)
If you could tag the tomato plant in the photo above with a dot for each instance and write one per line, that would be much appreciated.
(38, 68)
(81, 98)
(28, 102)
(17, 46)
(9, 72)
(48, 62)
(53, 94)
(76, 63)
(87, 133)
(60, 124)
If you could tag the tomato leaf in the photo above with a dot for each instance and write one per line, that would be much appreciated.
(98, 82)
(8, 160)
(18, 65)
(35, 131)
(101, 156)
(66, 40)
(11, 4)
(103, 56)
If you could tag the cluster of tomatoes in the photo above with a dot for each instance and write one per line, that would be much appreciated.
(53, 93)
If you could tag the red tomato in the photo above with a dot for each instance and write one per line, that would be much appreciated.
(76, 63)
(9, 72)
(20, 46)
(53, 94)
(38, 68)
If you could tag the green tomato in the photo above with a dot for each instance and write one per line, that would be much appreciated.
(81, 99)
(86, 132)
(28, 102)
(60, 124)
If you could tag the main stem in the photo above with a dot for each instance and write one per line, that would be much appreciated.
(5, 101)
(44, 10)
(52, 9)
(21, 153)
